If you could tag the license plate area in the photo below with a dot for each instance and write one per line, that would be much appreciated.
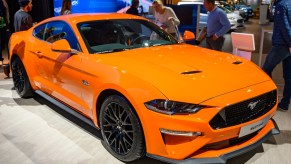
(248, 129)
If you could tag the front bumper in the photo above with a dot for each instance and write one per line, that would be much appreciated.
(224, 157)
(211, 143)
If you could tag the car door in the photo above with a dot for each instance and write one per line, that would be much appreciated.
(60, 71)
(43, 78)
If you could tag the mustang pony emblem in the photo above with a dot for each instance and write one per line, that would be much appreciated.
(252, 105)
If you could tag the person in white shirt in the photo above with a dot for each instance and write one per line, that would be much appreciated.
(165, 17)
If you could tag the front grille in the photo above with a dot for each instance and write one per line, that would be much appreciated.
(244, 111)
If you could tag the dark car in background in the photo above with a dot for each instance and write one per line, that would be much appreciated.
(249, 12)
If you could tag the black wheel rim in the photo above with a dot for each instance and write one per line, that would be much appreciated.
(18, 77)
(117, 128)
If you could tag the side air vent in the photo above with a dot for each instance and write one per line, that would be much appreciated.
(190, 72)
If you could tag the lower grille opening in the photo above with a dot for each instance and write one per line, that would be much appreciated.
(228, 143)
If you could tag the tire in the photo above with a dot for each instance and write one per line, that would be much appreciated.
(20, 79)
(121, 130)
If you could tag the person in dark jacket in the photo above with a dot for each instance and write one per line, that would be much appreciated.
(4, 24)
(281, 49)
(133, 8)
(22, 20)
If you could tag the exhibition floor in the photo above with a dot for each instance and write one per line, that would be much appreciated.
(36, 131)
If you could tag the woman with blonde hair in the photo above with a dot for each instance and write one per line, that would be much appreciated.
(66, 7)
(165, 17)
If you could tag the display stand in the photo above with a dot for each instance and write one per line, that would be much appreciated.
(243, 44)
(267, 29)
(263, 14)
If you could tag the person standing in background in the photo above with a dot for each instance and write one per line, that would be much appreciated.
(4, 26)
(217, 25)
(22, 20)
(165, 17)
(281, 48)
(66, 7)
(133, 8)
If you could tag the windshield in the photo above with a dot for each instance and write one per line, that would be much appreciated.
(105, 36)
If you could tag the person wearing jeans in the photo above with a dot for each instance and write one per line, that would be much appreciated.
(277, 55)
(217, 25)
(281, 49)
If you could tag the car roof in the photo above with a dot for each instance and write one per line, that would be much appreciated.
(83, 17)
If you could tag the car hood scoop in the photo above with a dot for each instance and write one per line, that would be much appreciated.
(237, 62)
(190, 72)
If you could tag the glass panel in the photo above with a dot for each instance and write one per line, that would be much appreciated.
(119, 35)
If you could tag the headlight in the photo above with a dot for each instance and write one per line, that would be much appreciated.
(173, 107)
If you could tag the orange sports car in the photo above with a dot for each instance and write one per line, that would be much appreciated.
(147, 92)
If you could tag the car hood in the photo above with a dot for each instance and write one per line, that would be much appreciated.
(185, 72)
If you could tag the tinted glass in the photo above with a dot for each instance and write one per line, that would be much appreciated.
(61, 30)
(118, 35)
(53, 31)
(39, 31)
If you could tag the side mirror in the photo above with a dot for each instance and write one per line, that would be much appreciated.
(61, 45)
(188, 36)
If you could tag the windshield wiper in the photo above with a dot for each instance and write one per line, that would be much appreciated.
(161, 44)
(112, 50)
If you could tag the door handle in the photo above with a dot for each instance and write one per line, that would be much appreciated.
(38, 53)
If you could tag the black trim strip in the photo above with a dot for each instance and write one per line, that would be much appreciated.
(66, 108)
(190, 72)
(276, 130)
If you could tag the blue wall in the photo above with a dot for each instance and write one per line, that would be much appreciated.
(99, 6)
(88, 6)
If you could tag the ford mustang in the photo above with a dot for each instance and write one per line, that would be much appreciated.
(148, 93)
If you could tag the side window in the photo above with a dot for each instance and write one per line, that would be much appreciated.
(71, 37)
(39, 31)
(60, 30)
(53, 29)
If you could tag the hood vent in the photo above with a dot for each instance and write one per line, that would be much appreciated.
(237, 62)
(190, 72)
